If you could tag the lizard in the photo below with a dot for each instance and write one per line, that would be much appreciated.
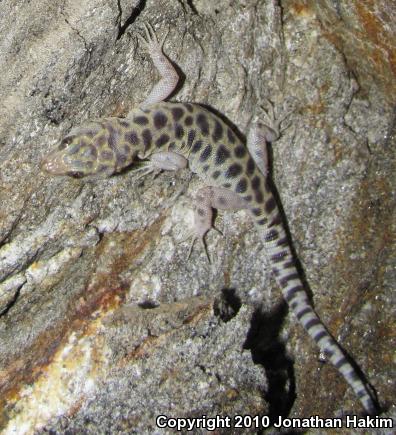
(176, 135)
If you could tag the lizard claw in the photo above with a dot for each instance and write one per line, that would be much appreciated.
(149, 39)
(194, 238)
(273, 124)
(219, 231)
(143, 169)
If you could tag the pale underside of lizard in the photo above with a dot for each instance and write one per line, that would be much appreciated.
(172, 136)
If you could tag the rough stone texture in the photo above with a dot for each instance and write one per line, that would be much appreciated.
(104, 324)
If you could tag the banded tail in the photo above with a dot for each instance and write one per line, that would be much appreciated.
(287, 277)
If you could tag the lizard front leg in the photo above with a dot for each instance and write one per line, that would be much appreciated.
(163, 160)
(169, 76)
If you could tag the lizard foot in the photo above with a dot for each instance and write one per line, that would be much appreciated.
(149, 39)
(272, 123)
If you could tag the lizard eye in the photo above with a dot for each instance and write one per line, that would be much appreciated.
(65, 142)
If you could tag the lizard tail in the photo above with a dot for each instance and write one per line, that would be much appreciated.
(287, 277)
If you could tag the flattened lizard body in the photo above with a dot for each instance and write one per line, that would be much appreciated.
(176, 135)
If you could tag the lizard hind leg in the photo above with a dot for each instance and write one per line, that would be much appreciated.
(207, 199)
(260, 133)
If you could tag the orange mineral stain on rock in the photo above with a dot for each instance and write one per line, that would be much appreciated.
(364, 32)
(301, 9)
(62, 367)
(71, 376)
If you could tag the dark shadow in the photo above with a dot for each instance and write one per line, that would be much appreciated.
(12, 302)
(182, 79)
(227, 305)
(269, 351)
(148, 305)
(190, 5)
(131, 19)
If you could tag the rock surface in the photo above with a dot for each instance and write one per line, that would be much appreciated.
(103, 323)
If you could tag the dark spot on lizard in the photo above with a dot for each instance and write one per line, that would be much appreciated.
(113, 137)
(267, 184)
(271, 235)
(255, 182)
(279, 256)
(231, 136)
(190, 138)
(250, 166)
(291, 294)
(289, 265)
(141, 120)
(188, 121)
(206, 153)
(189, 107)
(259, 196)
(160, 120)
(216, 175)
(277, 220)
(262, 221)
(240, 151)
(179, 131)
(132, 137)
(270, 205)
(147, 138)
(233, 171)
(282, 242)
(203, 124)
(197, 146)
(177, 113)
(101, 140)
(241, 186)
(217, 132)
(222, 154)
(162, 140)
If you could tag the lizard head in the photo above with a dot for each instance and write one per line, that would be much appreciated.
(76, 155)
(71, 157)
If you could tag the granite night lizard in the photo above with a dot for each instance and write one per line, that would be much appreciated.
(172, 136)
